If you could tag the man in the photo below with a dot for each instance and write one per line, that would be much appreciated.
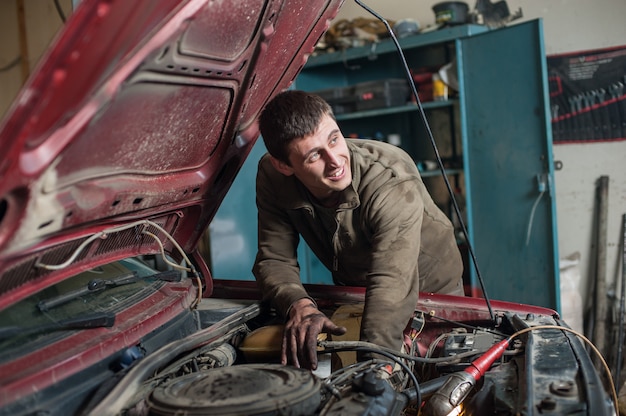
(362, 208)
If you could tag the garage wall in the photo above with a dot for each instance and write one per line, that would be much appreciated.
(41, 21)
(569, 26)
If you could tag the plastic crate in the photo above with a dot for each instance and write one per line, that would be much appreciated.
(381, 94)
(342, 100)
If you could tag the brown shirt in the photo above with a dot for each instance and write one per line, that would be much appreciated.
(388, 236)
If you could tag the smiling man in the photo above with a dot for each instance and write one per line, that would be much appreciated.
(362, 208)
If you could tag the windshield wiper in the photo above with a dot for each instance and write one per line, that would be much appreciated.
(98, 285)
(95, 320)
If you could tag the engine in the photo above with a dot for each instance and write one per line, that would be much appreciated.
(519, 364)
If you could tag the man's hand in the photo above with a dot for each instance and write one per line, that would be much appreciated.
(300, 337)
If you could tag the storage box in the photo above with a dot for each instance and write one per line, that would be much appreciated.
(367, 95)
(342, 99)
(381, 94)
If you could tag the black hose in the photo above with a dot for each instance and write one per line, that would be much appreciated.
(352, 345)
(437, 155)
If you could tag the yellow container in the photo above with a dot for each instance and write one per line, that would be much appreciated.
(440, 89)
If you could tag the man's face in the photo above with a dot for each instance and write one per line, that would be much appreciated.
(321, 161)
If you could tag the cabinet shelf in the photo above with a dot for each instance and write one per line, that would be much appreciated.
(437, 172)
(394, 110)
(433, 38)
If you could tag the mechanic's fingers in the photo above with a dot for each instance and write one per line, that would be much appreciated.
(294, 350)
(289, 348)
(300, 337)
(311, 347)
(283, 349)
(336, 330)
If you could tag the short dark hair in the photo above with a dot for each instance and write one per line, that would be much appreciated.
(290, 115)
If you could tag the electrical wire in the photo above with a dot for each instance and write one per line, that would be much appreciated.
(432, 360)
(338, 346)
(11, 64)
(146, 223)
(344, 373)
(338, 388)
(57, 5)
(416, 331)
(532, 216)
(196, 301)
(165, 259)
(336, 381)
(433, 345)
(412, 337)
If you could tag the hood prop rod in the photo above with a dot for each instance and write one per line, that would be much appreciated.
(436, 150)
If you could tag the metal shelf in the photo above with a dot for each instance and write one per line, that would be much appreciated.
(394, 110)
(436, 37)
(437, 172)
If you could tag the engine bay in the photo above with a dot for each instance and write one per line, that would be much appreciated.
(529, 364)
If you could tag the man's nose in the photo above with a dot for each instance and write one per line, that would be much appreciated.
(332, 158)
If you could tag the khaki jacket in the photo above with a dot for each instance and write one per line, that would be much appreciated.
(386, 234)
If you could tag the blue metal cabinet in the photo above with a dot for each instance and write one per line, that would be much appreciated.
(508, 160)
(496, 130)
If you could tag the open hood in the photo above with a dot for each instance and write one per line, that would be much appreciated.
(138, 117)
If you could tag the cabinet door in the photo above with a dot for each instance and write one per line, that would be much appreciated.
(509, 164)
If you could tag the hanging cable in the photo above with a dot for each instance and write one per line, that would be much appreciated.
(436, 150)
(11, 64)
(532, 216)
(57, 5)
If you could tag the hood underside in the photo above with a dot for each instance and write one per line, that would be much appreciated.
(141, 110)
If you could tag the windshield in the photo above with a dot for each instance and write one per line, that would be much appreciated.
(28, 324)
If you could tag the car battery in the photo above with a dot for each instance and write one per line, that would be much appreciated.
(381, 94)
(342, 99)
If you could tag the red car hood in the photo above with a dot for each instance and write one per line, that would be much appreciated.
(136, 122)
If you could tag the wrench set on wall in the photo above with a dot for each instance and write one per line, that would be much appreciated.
(587, 96)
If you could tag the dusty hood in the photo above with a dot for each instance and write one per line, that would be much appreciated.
(140, 110)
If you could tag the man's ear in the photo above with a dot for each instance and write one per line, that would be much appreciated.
(282, 167)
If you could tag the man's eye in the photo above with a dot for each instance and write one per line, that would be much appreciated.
(334, 140)
(313, 157)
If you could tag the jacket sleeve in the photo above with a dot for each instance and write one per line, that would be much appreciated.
(276, 266)
(395, 217)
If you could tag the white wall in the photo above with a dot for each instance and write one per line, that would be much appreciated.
(569, 26)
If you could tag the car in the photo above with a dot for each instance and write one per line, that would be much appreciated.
(115, 157)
